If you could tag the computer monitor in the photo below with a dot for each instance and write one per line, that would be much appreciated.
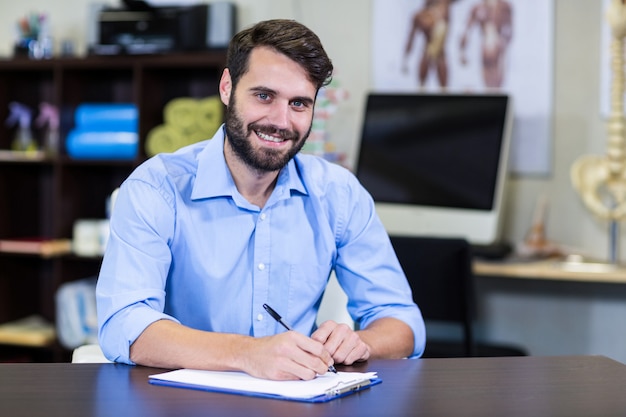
(436, 164)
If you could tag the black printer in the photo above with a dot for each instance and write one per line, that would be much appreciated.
(139, 28)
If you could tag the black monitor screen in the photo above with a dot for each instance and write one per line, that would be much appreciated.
(433, 149)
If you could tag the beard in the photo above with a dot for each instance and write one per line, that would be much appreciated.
(265, 159)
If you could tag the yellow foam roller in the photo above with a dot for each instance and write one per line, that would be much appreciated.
(164, 138)
(182, 112)
(210, 115)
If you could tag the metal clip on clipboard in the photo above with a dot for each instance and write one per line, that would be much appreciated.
(345, 387)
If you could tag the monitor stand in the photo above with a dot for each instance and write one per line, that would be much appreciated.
(493, 251)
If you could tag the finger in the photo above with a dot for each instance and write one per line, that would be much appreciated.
(285, 368)
(323, 331)
(289, 356)
(358, 354)
(337, 337)
(341, 344)
(346, 346)
(311, 355)
(318, 358)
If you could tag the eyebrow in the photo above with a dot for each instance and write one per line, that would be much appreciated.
(260, 89)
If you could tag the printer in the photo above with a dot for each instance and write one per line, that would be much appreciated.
(139, 28)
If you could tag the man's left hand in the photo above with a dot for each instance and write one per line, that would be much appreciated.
(343, 343)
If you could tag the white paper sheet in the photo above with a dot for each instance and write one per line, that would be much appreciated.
(327, 384)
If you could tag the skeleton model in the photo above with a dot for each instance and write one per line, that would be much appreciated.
(601, 180)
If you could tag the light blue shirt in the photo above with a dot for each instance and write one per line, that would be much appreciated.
(186, 246)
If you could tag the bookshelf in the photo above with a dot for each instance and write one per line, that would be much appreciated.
(43, 194)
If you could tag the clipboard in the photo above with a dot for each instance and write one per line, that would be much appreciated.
(322, 389)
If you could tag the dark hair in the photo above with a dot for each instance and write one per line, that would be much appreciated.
(287, 37)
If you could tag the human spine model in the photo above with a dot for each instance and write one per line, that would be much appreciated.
(601, 180)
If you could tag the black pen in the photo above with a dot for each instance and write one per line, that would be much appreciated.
(279, 319)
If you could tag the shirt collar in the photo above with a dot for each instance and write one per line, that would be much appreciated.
(213, 178)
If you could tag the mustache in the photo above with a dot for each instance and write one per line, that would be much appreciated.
(284, 134)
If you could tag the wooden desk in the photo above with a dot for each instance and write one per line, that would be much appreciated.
(553, 270)
(514, 386)
(551, 307)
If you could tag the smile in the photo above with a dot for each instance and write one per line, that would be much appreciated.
(269, 138)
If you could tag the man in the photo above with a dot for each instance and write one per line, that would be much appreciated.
(495, 20)
(202, 238)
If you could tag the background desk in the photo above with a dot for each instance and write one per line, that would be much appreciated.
(553, 270)
(513, 386)
(551, 309)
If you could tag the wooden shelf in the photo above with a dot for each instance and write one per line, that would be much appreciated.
(28, 331)
(42, 195)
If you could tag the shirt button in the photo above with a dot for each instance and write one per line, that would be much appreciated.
(259, 317)
(261, 266)
(263, 216)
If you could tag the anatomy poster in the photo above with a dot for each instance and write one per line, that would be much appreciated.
(476, 46)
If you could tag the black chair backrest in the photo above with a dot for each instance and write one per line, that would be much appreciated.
(439, 271)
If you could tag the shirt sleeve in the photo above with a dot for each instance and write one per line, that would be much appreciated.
(368, 269)
(130, 292)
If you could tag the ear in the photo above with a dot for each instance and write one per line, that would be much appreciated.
(225, 87)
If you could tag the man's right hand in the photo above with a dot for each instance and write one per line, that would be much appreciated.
(286, 356)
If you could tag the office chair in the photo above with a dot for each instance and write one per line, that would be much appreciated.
(439, 271)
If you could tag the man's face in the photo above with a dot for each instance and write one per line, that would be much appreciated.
(270, 112)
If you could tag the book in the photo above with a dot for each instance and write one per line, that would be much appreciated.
(323, 388)
(29, 331)
(36, 245)
(22, 156)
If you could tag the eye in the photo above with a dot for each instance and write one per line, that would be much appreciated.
(300, 104)
(263, 96)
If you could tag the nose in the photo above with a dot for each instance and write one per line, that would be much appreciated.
(279, 114)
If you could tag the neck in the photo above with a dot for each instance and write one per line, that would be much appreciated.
(254, 185)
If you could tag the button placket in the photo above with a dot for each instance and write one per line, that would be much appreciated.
(262, 239)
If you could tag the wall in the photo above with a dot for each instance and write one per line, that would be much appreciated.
(343, 26)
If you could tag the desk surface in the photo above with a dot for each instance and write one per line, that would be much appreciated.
(553, 270)
(512, 386)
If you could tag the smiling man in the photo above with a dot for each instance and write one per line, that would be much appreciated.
(202, 238)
